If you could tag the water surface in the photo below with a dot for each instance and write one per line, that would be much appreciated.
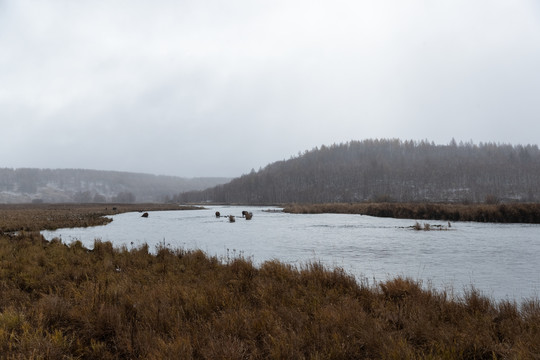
(500, 260)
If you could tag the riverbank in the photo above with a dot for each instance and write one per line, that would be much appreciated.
(497, 213)
(35, 217)
(65, 301)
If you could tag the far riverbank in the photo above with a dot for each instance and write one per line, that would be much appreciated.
(527, 213)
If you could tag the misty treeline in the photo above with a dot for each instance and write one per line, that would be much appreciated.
(86, 186)
(389, 170)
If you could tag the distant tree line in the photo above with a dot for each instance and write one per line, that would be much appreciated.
(85, 186)
(389, 170)
(123, 197)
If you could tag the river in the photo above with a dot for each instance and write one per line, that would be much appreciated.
(500, 260)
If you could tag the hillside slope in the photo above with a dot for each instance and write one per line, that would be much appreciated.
(389, 170)
(78, 185)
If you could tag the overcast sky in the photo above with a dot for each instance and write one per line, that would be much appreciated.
(216, 88)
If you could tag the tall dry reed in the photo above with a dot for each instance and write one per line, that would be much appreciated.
(67, 301)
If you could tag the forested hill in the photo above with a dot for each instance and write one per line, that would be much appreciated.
(389, 170)
(76, 185)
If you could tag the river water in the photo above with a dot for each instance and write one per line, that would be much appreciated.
(500, 260)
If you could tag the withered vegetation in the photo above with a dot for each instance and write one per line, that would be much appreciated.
(65, 301)
(496, 213)
(34, 217)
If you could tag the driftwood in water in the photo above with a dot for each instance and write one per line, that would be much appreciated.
(428, 227)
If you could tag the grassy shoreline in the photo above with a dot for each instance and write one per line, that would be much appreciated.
(35, 217)
(496, 213)
(66, 301)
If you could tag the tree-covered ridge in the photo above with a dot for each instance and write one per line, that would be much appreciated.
(80, 185)
(390, 170)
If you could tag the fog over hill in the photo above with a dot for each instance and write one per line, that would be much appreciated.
(78, 185)
(389, 170)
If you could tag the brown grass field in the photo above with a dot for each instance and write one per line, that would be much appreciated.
(61, 301)
(35, 217)
(496, 213)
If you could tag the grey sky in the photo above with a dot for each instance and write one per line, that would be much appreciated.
(215, 88)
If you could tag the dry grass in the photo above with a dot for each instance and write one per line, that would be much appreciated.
(60, 301)
(503, 213)
(34, 217)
